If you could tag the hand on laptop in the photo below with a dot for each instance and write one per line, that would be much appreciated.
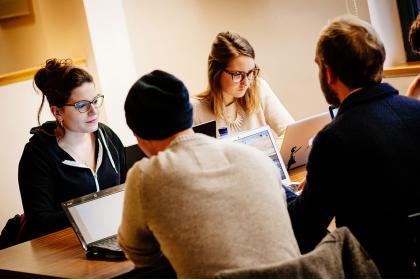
(301, 186)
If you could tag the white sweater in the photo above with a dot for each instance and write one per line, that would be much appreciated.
(271, 112)
(207, 205)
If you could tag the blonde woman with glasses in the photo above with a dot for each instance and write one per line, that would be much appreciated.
(237, 98)
(70, 157)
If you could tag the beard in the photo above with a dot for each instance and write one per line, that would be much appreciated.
(329, 94)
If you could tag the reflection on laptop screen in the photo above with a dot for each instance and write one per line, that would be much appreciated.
(262, 141)
(99, 218)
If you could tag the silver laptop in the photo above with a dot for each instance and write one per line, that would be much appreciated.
(95, 219)
(297, 141)
(262, 138)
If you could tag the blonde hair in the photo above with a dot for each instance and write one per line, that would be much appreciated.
(226, 47)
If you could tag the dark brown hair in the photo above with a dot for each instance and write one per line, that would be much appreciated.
(225, 48)
(353, 51)
(57, 79)
(414, 35)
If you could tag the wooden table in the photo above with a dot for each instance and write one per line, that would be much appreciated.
(57, 255)
(298, 174)
(60, 255)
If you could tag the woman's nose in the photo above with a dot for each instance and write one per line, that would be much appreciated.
(93, 109)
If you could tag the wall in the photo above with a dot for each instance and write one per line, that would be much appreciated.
(18, 115)
(176, 36)
(56, 29)
(112, 55)
(386, 21)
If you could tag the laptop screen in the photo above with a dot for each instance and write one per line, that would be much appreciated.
(262, 140)
(98, 218)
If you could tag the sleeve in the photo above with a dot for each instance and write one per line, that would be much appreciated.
(37, 191)
(201, 111)
(313, 210)
(196, 110)
(275, 114)
(134, 237)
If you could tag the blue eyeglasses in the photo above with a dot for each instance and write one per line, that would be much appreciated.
(84, 105)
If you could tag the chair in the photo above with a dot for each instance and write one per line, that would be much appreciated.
(13, 232)
(338, 255)
(133, 154)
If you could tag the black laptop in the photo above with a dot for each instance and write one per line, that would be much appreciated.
(207, 128)
(95, 218)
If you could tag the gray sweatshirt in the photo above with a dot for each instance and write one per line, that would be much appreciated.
(207, 205)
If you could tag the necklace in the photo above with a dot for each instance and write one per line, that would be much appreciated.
(236, 122)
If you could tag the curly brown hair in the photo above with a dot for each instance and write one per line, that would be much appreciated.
(57, 79)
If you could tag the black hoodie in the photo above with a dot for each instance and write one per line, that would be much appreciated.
(48, 176)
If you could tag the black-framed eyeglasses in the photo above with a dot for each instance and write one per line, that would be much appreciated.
(84, 105)
(239, 76)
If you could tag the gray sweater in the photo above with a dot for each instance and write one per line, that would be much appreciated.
(207, 205)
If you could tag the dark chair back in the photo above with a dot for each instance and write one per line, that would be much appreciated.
(13, 232)
(133, 154)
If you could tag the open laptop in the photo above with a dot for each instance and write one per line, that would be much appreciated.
(297, 141)
(262, 138)
(95, 219)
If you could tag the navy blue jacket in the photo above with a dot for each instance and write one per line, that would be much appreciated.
(48, 176)
(362, 170)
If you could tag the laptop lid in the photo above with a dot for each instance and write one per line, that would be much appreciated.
(262, 138)
(207, 128)
(97, 215)
(297, 141)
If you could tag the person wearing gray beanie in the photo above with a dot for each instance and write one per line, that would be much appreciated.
(196, 201)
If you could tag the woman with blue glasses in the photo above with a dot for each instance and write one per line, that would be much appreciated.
(68, 158)
(237, 98)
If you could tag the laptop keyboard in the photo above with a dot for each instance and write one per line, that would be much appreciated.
(110, 243)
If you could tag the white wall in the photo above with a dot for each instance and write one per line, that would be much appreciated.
(19, 112)
(386, 21)
(113, 60)
(176, 36)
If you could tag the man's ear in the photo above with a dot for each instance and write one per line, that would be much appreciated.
(331, 77)
(57, 112)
